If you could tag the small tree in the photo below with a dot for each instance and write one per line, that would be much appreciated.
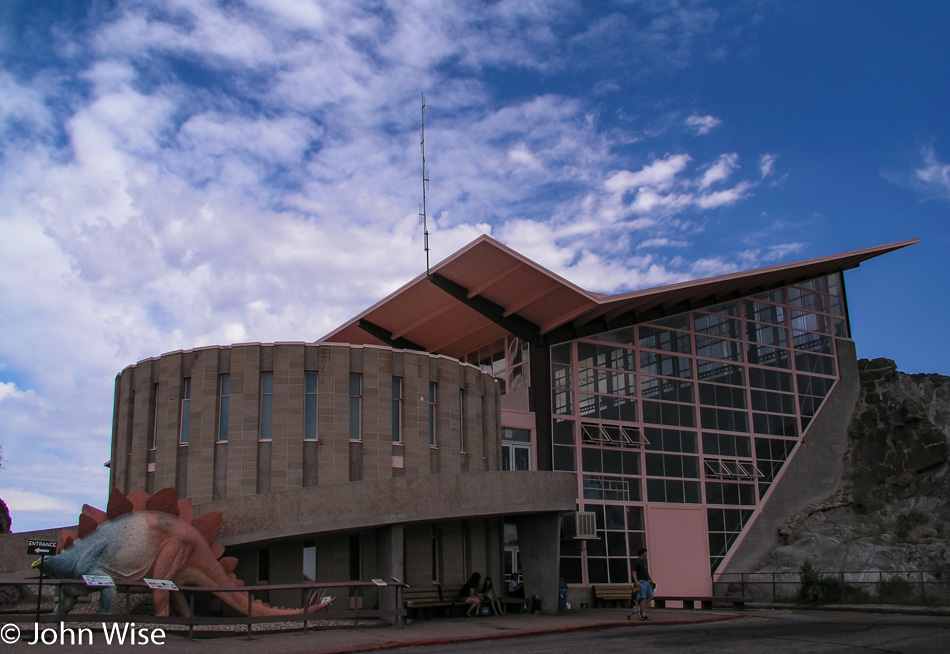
(812, 590)
(5, 520)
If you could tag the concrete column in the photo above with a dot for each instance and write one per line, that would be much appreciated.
(539, 541)
(389, 558)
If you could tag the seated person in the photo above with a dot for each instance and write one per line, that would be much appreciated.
(469, 594)
(488, 592)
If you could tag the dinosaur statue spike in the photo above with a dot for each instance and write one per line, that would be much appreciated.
(209, 525)
(87, 525)
(217, 550)
(186, 510)
(164, 501)
(229, 563)
(96, 514)
(66, 538)
(138, 498)
(118, 505)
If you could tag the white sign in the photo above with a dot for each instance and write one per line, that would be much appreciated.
(160, 584)
(98, 580)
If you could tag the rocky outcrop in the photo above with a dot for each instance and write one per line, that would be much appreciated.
(891, 510)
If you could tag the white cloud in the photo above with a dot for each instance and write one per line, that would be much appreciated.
(19, 103)
(720, 170)
(724, 197)
(934, 176)
(661, 243)
(658, 175)
(8, 390)
(205, 173)
(766, 164)
(32, 501)
(702, 124)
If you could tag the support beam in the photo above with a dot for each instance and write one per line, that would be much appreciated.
(386, 336)
(523, 329)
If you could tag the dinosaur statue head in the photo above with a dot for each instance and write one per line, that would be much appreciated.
(56, 567)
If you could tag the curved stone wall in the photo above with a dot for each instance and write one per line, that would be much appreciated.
(197, 420)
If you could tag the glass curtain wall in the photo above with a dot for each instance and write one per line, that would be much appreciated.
(700, 408)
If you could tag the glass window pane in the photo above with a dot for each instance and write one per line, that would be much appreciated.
(597, 570)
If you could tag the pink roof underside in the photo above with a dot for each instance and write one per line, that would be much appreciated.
(424, 314)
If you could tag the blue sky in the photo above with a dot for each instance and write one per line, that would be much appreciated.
(175, 174)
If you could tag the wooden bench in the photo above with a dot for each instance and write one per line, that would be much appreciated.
(704, 602)
(518, 604)
(430, 599)
(622, 593)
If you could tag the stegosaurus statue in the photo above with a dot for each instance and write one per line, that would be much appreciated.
(158, 537)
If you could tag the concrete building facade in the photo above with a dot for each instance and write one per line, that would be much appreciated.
(490, 416)
(336, 463)
(695, 417)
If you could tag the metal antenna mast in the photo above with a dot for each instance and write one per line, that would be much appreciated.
(425, 185)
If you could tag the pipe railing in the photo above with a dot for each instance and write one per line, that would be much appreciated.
(910, 587)
(340, 609)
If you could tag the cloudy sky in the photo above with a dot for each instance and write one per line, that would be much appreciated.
(181, 173)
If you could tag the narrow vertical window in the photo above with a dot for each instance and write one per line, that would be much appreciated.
(356, 392)
(433, 394)
(263, 565)
(436, 552)
(267, 405)
(461, 420)
(185, 412)
(310, 560)
(154, 434)
(224, 401)
(310, 407)
(397, 410)
(356, 557)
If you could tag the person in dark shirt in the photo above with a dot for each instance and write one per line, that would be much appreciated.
(469, 594)
(642, 585)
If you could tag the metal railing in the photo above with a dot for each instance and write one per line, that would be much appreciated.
(39, 608)
(902, 587)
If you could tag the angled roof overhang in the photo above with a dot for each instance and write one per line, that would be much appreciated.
(486, 290)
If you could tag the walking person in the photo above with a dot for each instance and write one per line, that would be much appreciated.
(642, 585)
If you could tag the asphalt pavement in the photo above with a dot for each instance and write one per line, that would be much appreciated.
(346, 638)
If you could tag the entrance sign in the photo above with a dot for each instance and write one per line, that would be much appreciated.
(41, 547)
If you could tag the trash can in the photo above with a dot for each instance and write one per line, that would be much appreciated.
(561, 594)
(409, 612)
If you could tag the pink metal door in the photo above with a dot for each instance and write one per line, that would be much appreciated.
(678, 550)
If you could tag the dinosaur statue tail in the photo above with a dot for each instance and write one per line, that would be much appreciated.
(239, 602)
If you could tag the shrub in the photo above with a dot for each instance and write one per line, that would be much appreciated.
(906, 522)
(896, 590)
(812, 590)
(817, 588)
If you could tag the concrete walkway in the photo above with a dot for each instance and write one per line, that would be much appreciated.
(375, 638)
(459, 630)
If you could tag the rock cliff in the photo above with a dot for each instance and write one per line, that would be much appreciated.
(891, 510)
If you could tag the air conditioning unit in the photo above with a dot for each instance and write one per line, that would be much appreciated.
(579, 525)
